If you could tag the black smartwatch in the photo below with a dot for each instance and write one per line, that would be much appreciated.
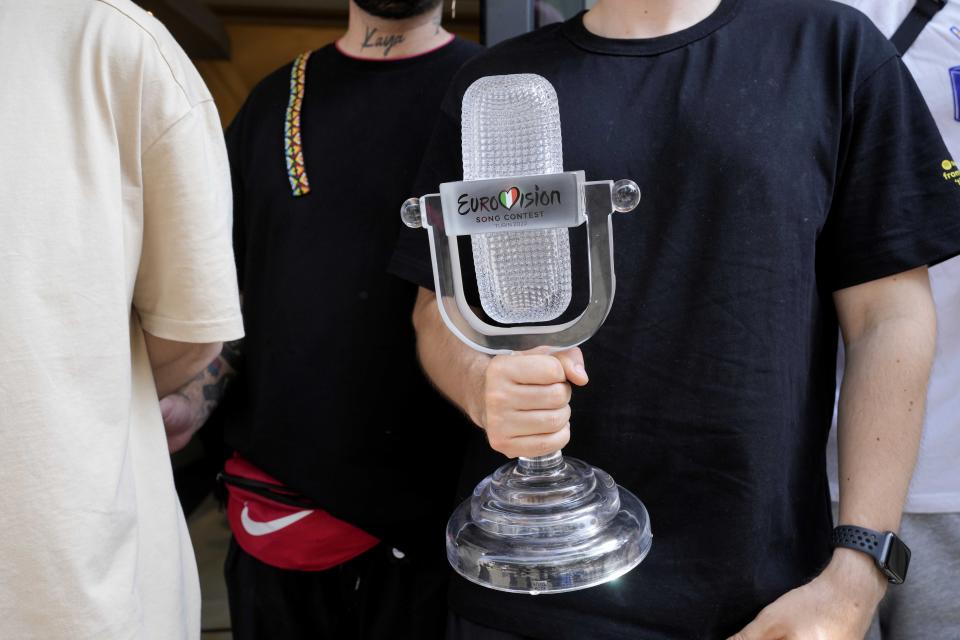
(888, 551)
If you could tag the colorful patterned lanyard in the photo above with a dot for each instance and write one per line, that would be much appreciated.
(293, 141)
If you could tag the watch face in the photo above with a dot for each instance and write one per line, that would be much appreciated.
(897, 560)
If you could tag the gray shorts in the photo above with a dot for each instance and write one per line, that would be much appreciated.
(927, 605)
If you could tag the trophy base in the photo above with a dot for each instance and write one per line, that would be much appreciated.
(547, 527)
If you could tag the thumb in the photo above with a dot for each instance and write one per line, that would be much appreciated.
(572, 361)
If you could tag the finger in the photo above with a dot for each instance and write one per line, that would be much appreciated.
(539, 422)
(544, 351)
(527, 369)
(573, 367)
(531, 446)
(530, 397)
(504, 426)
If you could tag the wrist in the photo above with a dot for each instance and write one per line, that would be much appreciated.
(856, 574)
(474, 405)
(475, 389)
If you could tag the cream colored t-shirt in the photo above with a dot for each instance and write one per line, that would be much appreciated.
(115, 217)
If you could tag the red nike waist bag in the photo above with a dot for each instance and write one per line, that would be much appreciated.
(282, 528)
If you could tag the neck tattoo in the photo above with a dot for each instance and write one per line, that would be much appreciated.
(373, 40)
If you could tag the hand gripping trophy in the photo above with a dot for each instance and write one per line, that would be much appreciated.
(546, 524)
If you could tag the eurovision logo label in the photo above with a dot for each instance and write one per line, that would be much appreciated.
(520, 202)
(468, 203)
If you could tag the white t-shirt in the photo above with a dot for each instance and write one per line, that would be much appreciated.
(934, 61)
(115, 216)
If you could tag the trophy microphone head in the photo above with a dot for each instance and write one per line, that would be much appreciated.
(511, 127)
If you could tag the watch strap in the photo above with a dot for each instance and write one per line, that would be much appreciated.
(889, 553)
(859, 539)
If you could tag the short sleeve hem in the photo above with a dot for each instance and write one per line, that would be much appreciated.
(898, 259)
(412, 270)
(193, 331)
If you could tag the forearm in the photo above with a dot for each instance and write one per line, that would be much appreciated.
(881, 414)
(175, 363)
(205, 391)
(455, 369)
(888, 328)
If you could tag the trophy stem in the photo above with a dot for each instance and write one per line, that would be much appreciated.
(540, 463)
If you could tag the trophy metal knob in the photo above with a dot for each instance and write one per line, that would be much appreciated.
(410, 213)
(626, 196)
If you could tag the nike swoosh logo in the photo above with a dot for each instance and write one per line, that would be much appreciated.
(255, 528)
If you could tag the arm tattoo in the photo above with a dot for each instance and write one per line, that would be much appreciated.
(232, 354)
(206, 390)
(213, 392)
(386, 42)
(219, 373)
(210, 385)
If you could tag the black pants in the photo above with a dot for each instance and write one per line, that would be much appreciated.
(373, 596)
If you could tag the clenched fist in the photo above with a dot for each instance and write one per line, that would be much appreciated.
(182, 418)
(526, 401)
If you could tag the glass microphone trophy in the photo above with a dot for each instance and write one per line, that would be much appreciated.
(546, 524)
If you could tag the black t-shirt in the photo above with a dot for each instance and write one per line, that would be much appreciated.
(784, 153)
(330, 399)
